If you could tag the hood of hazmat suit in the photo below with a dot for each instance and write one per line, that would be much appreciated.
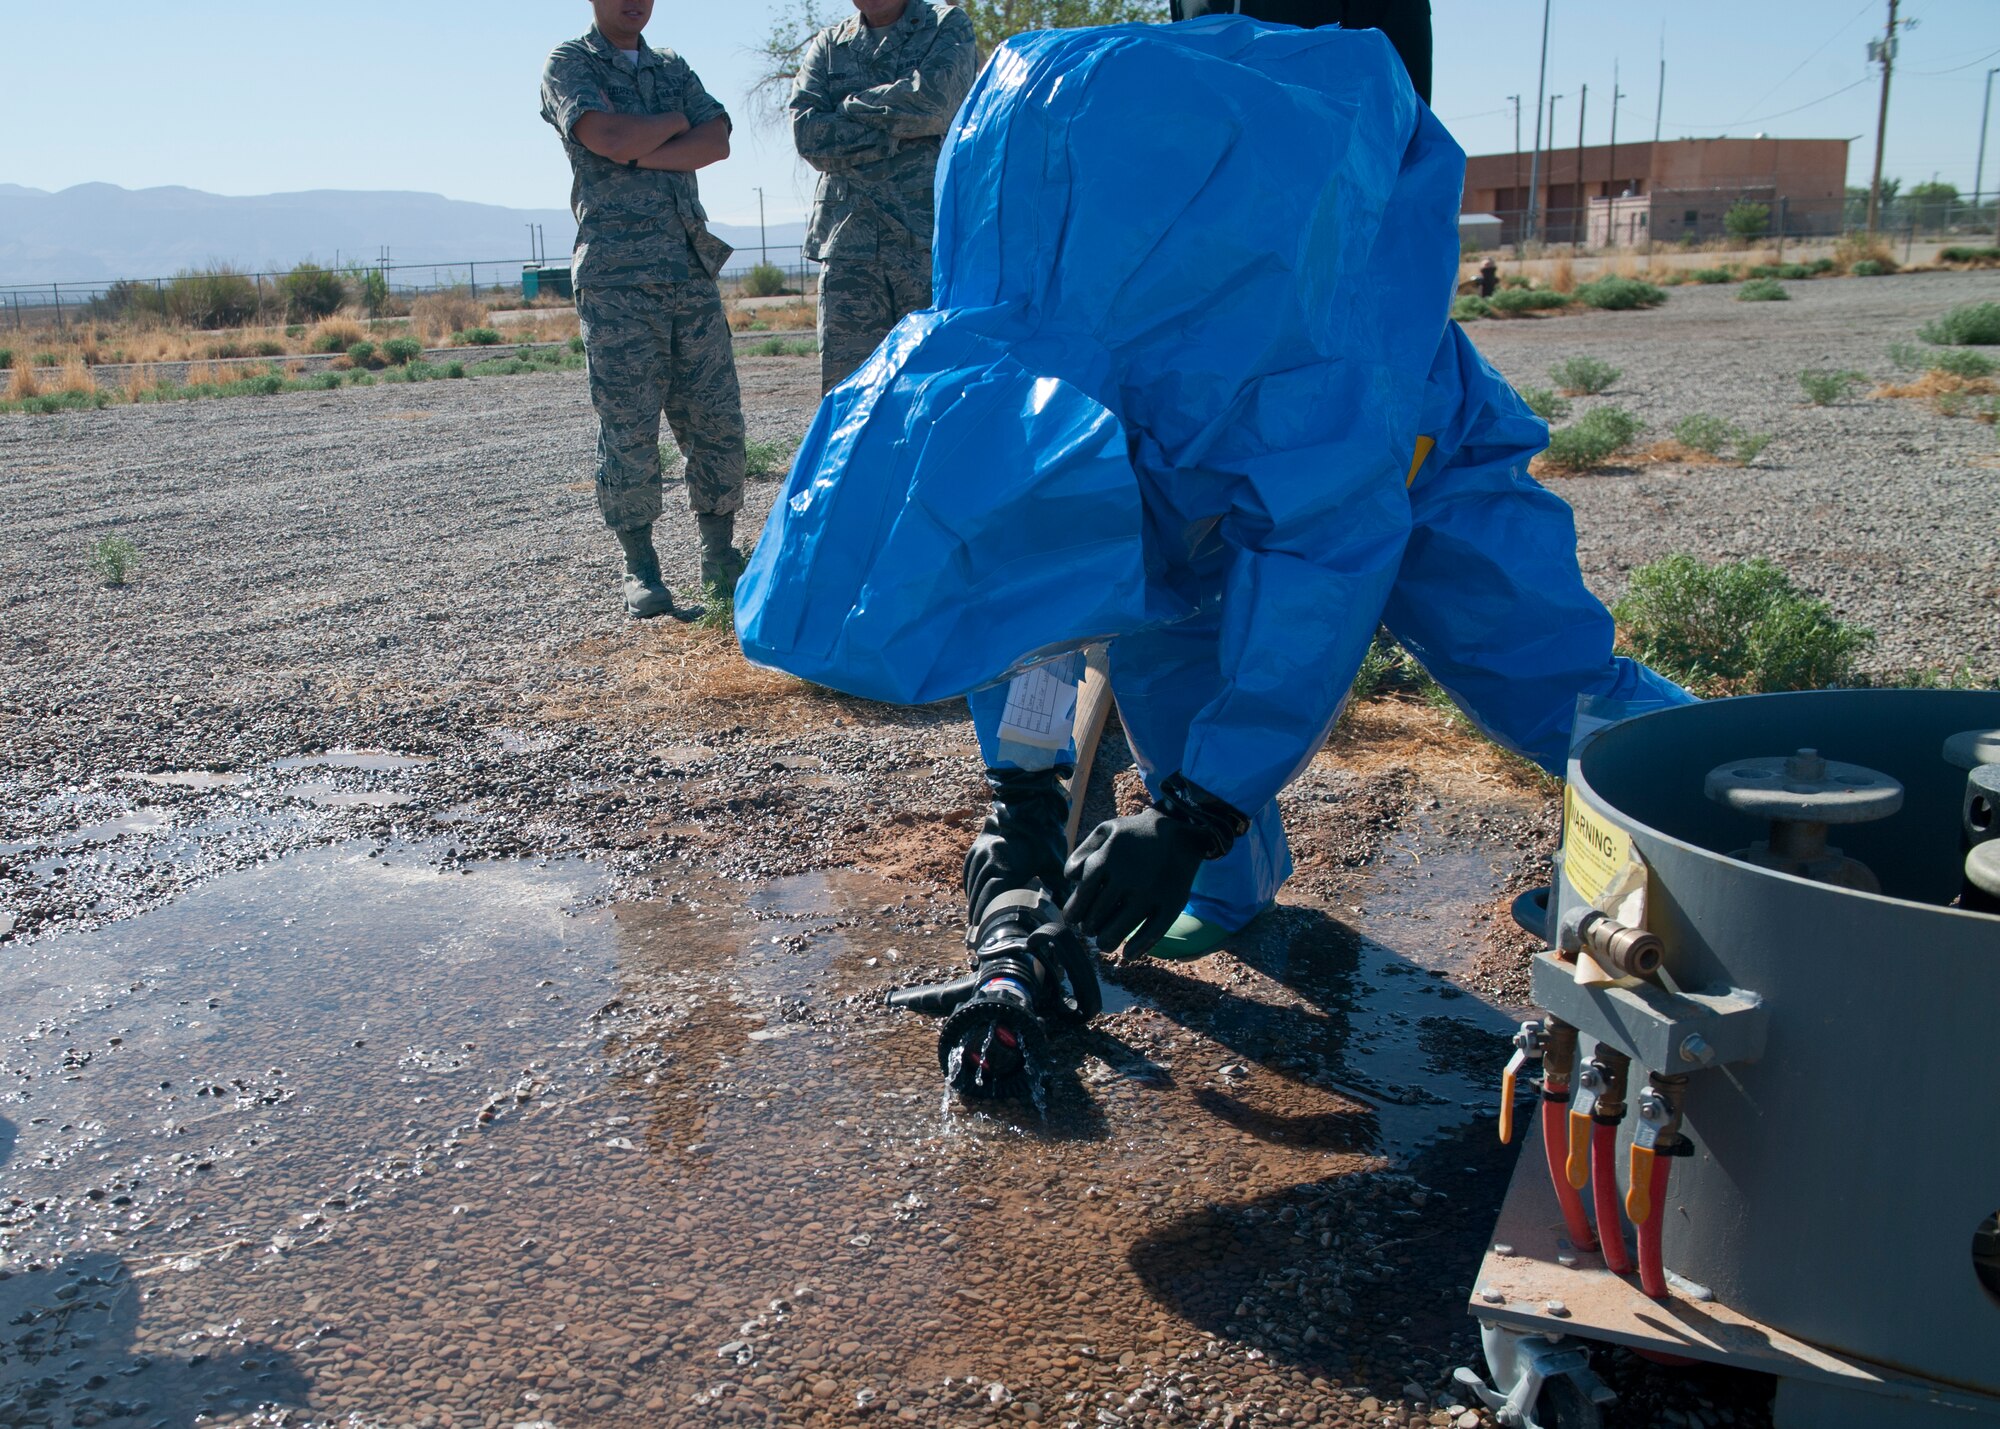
(1189, 366)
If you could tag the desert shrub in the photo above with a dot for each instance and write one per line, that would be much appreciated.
(1737, 627)
(6, 358)
(311, 292)
(1762, 270)
(1592, 440)
(765, 280)
(1471, 307)
(1870, 268)
(438, 315)
(1856, 248)
(112, 559)
(270, 384)
(363, 354)
(763, 459)
(454, 370)
(1713, 276)
(1974, 325)
(1820, 267)
(1961, 362)
(476, 337)
(267, 347)
(401, 351)
(211, 298)
(1524, 300)
(295, 331)
(1978, 257)
(782, 347)
(1550, 406)
(1794, 272)
(1763, 290)
(1620, 294)
(1824, 388)
(575, 345)
(1704, 433)
(1583, 376)
(1718, 437)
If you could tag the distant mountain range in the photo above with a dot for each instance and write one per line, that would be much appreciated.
(98, 232)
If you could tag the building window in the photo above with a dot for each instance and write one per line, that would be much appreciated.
(1692, 218)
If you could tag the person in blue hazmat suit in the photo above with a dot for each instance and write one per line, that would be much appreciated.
(1190, 392)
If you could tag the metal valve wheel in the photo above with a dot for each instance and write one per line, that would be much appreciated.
(1802, 795)
(1973, 747)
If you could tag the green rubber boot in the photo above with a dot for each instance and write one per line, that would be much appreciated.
(1192, 938)
(721, 562)
(646, 592)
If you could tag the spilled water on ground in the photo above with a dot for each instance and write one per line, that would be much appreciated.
(361, 1142)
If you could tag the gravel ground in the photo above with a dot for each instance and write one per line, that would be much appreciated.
(1883, 508)
(420, 571)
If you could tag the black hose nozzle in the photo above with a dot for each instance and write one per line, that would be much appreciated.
(1027, 966)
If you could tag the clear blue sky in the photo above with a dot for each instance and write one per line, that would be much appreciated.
(243, 98)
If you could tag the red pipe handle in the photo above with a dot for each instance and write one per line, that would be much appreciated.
(1555, 1146)
(1607, 1202)
(1652, 1273)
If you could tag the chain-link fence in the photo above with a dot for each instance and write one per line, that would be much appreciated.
(1669, 219)
(226, 297)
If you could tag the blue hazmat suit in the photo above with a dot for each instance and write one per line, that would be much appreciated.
(1190, 390)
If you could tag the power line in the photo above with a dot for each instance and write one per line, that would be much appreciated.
(1708, 128)
(1928, 73)
(1865, 8)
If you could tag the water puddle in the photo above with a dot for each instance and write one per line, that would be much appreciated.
(366, 1142)
(202, 779)
(364, 761)
(328, 797)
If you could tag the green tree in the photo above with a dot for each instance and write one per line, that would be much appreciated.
(311, 292)
(1931, 205)
(1746, 221)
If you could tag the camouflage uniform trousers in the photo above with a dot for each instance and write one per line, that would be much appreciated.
(860, 299)
(657, 347)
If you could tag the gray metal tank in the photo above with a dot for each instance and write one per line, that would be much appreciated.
(1839, 1179)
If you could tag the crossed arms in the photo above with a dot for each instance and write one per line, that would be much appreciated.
(656, 141)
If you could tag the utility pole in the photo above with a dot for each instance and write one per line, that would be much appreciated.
(1660, 110)
(1519, 197)
(1580, 216)
(1550, 169)
(1884, 50)
(763, 238)
(1979, 173)
(1535, 169)
(1611, 176)
(531, 244)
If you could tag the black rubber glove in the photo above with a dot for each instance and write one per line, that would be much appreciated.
(1133, 875)
(1025, 837)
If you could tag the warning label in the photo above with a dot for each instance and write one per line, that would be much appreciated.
(1595, 850)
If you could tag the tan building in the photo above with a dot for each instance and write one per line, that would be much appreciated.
(1663, 191)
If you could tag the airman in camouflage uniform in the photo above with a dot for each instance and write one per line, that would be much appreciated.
(645, 270)
(870, 107)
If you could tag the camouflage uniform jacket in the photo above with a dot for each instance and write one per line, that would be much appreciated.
(870, 108)
(634, 226)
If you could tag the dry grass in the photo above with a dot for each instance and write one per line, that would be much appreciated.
(780, 317)
(1854, 247)
(76, 378)
(1673, 453)
(339, 329)
(22, 385)
(435, 316)
(1375, 736)
(139, 383)
(1562, 275)
(1940, 386)
(560, 325)
(201, 374)
(690, 677)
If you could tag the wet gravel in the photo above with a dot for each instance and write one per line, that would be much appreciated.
(384, 621)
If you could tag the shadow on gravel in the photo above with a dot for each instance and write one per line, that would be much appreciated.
(67, 1357)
